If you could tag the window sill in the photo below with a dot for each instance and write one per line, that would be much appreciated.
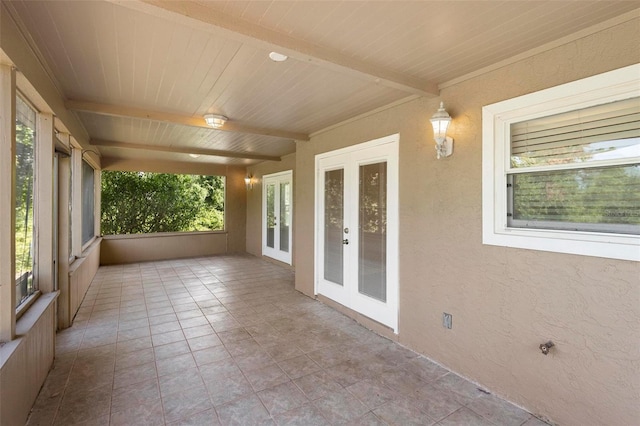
(160, 235)
(20, 310)
(26, 323)
(612, 246)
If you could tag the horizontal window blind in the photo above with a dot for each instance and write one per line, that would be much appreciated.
(601, 132)
(599, 195)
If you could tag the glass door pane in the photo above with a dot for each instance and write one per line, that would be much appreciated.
(372, 231)
(285, 215)
(333, 225)
(271, 215)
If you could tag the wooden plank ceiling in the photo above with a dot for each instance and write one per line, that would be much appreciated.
(141, 74)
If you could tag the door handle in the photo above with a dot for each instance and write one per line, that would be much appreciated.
(345, 241)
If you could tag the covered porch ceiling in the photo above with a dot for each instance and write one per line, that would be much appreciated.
(140, 75)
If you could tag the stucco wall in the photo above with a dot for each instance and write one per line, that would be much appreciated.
(119, 249)
(254, 202)
(505, 302)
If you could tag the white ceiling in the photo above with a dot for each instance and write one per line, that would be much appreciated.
(185, 59)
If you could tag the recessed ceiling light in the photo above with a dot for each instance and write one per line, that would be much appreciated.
(278, 57)
(194, 155)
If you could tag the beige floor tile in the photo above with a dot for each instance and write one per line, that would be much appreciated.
(186, 403)
(282, 398)
(134, 394)
(228, 340)
(402, 413)
(146, 413)
(205, 418)
(244, 411)
(340, 406)
(171, 349)
(179, 381)
(464, 417)
(305, 415)
(266, 377)
(174, 364)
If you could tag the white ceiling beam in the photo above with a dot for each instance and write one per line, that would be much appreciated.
(186, 120)
(183, 150)
(196, 14)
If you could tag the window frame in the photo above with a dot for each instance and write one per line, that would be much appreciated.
(225, 178)
(92, 191)
(497, 118)
(23, 305)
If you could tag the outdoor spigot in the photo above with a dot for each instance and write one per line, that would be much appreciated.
(546, 347)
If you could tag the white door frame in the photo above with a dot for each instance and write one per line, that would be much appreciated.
(275, 252)
(385, 313)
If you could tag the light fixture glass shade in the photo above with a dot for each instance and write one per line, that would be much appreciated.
(440, 122)
(215, 121)
(248, 181)
(278, 57)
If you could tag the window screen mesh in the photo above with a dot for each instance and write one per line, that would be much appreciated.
(88, 218)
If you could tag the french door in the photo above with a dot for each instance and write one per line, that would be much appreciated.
(357, 228)
(277, 211)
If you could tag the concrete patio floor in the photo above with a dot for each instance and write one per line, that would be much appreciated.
(227, 340)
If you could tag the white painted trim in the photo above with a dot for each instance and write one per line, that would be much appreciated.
(7, 202)
(496, 119)
(384, 312)
(277, 179)
(43, 203)
(76, 201)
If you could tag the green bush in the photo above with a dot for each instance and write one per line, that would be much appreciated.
(139, 202)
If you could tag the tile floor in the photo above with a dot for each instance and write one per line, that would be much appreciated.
(227, 340)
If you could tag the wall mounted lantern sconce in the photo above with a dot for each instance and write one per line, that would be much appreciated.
(440, 122)
(215, 121)
(248, 181)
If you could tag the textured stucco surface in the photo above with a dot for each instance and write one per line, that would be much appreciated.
(254, 201)
(504, 301)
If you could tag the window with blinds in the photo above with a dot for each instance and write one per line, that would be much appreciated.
(602, 132)
(578, 170)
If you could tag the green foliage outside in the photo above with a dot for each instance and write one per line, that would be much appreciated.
(598, 195)
(24, 199)
(608, 195)
(139, 203)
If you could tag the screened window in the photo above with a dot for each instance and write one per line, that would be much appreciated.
(24, 228)
(576, 187)
(140, 203)
(88, 215)
(561, 168)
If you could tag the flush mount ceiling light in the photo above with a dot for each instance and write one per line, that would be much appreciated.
(194, 155)
(215, 121)
(278, 57)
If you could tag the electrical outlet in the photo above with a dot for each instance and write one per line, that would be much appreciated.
(447, 320)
